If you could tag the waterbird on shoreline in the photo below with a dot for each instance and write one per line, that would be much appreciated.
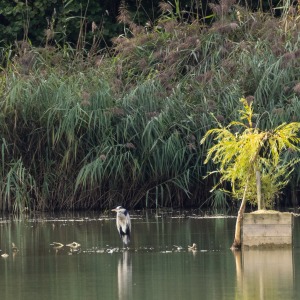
(123, 224)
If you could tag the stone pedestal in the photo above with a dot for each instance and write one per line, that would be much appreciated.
(267, 229)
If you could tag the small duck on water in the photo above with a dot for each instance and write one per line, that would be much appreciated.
(193, 247)
(14, 247)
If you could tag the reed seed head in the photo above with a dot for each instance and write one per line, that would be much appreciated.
(94, 27)
(165, 7)
(130, 146)
(191, 146)
(250, 99)
(296, 88)
(124, 16)
(102, 157)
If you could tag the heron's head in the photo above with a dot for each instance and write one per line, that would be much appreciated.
(118, 208)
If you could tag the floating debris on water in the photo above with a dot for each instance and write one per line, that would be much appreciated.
(112, 250)
(73, 245)
(212, 217)
(57, 245)
(178, 248)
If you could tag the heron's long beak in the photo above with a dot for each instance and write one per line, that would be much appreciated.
(114, 209)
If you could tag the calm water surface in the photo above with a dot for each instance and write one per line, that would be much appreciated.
(154, 267)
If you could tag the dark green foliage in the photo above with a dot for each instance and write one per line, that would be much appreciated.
(30, 19)
(65, 21)
(94, 150)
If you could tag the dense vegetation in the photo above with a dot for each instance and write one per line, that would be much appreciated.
(83, 127)
(58, 21)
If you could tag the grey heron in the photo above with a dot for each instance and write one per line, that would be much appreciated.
(123, 224)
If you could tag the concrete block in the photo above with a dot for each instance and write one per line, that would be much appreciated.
(267, 229)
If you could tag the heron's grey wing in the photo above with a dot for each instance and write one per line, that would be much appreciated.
(124, 227)
(128, 223)
(122, 224)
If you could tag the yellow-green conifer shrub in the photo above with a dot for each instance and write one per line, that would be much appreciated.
(241, 153)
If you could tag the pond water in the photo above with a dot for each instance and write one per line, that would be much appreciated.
(154, 267)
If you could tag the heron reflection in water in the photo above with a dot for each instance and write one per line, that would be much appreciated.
(125, 276)
(123, 224)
